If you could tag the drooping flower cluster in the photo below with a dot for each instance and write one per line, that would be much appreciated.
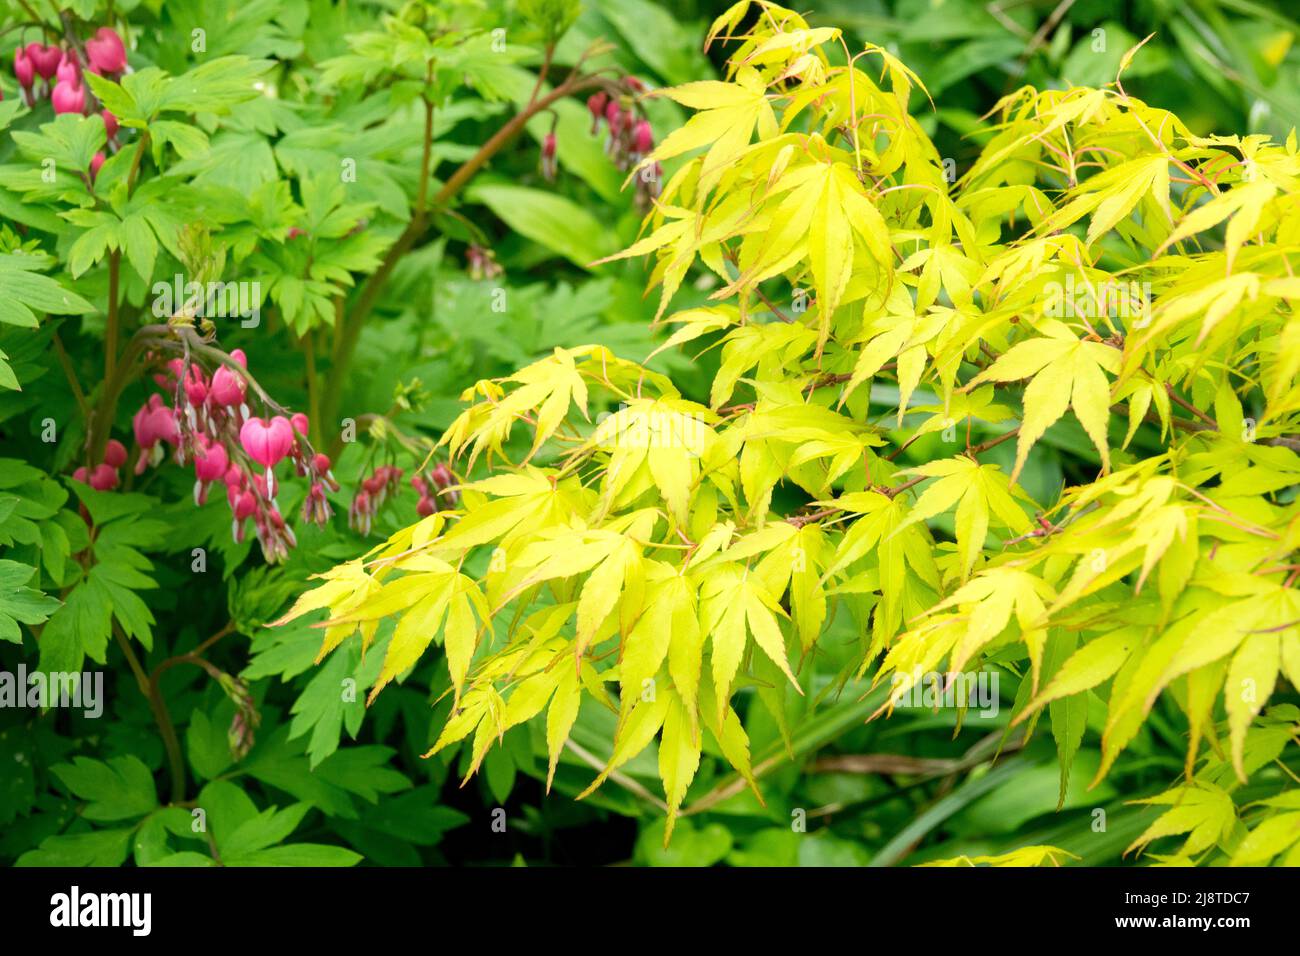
(241, 735)
(434, 488)
(104, 476)
(384, 483)
(630, 137)
(210, 426)
(60, 68)
(482, 263)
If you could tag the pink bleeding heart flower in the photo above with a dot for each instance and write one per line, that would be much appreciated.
(196, 386)
(24, 68)
(596, 107)
(80, 474)
(142, 425)
(267, 443)
(164, 421)
(443, 478)
(643, 137)
(106, 51)
(69, 68)
(227, 386)
(153, 424)
(315, 508)
(441, 475)
(424, 507)
(68, 97)
(211, 461)
(103, 478)
(234, 479)
(45, 59)
(114, 453)
(321, 465)
(96, 162)
(245, 505)
(110, 123)
(300, 422)
(360, 512)
(549, 167)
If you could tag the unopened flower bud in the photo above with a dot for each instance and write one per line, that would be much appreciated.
(643, 137)
(24, 69)
(596, 107)
(549, 168)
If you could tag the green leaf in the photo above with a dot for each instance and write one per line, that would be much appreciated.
(19, 603)
(555, 222)
(121, 789)
(96, 848)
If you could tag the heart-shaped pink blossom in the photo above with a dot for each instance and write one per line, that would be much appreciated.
(210, 461)
(643, 137)
(103, 478)
(267, 442)
(68, 97)
(106, 52)
(155, 422)
(24, 68)
(45, 59)
(227, 387)
(114, 453)
(245, 506)
(69, 68)
(196, 386)
(143, 425)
